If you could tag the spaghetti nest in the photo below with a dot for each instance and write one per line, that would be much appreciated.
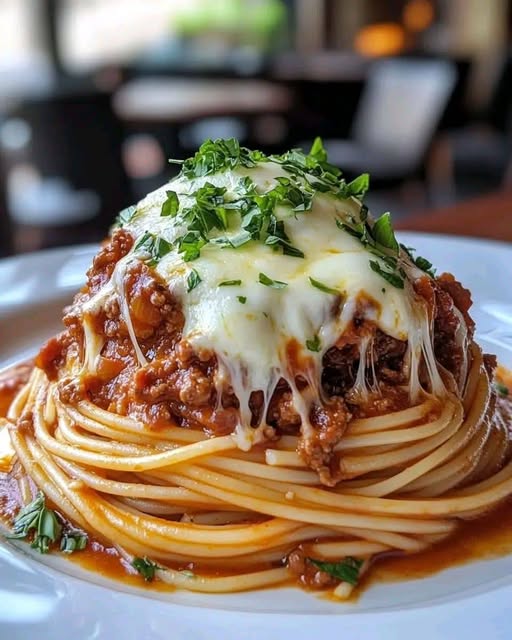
(246, 520)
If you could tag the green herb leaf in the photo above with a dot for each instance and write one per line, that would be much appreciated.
(317, 150)
(48, 530)
(155, 246)
(171, 205)
(359, 186)
(391, 276)
(146, 568)
(346, 570)
(241, 299)
(383, 234)
(28, 517)
(193, 280)
(230, 283)
(218, 155)
(235, 241)
(422, 263)
(323, 287)
(314, 344)
(36, 517)
(269, 282)
(190, 245)
(125, 216)
(288, 249)
(73, 540)
(501, 389)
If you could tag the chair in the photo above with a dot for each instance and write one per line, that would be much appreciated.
(398, 114)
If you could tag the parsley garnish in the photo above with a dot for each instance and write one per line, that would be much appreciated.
(394, 278)
(358, 187)
(47, 528)
(190, 245)
(73, 540)
(146, 568)
(346, 570)
(38, 518)
(314, 344)
(501, 389)
(380, 240)
(230, 283)
(155, 247)
(193, 280)
(241, 299)
(125, 216)
(171, 204)
(218, 155)
(268, 282)
(383, 234)
(422, 263)
(323, 287)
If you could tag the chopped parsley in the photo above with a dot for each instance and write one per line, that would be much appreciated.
(146, 567)
(383, 233)
(241, 299)
(314, 344)
(171, 205)
(73, 540)
(269, 282)
(154, 247)
(346, 570)
(36, 517)
(46, 527)
(422, 263)
(125, 216)
(233, 219)
(190, 245)
(359, 186)
(323, 287)
(193, 280)
(230, 283)
(379, 239)
(218, 155)
(394, 278)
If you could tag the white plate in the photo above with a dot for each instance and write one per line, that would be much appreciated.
(49, 598)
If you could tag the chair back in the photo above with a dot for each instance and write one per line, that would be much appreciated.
(402, 105)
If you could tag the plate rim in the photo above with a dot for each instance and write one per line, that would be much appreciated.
(269, 616)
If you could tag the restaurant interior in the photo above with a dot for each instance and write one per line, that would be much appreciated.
(97, 95)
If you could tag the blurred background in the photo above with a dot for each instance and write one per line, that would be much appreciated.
(95, 95)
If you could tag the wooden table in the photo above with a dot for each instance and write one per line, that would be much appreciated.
(485, 217)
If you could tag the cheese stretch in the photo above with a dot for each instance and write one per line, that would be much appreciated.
(249, 325)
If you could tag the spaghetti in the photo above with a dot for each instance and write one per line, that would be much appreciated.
(227, 432)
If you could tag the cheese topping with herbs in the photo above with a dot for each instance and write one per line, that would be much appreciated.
(261, 251)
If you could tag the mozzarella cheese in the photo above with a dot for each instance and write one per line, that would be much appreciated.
(250, 339)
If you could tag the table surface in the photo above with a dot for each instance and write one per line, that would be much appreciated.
(485, 217)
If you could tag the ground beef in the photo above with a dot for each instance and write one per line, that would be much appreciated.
(307, 573)
(316, 445)
(341, 363)
(165, 380)
(281, 411)
(52, 357)
(461, 297)
(113, 249)
(444, 295)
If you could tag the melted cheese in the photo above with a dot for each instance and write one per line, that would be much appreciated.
(250, 339)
